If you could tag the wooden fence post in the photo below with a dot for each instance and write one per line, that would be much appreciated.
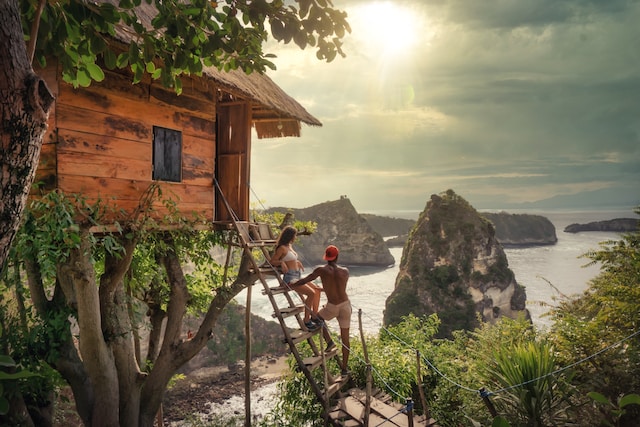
(367, 402)
(485, 398)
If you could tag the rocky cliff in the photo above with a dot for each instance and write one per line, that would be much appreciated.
(339, 224)
(389, 226)
(618, 225)
(454, 266)
(522, 229)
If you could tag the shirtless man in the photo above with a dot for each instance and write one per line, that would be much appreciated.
(334, 282)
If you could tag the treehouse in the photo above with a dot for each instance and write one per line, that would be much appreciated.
(115, 140)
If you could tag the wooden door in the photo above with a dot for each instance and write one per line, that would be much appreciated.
(232, 162)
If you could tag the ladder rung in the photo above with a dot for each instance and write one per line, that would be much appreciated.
(298, 336)
(267, 271)
(276, 290)
(255, 244)
(290, 311)
(315, 361)
(333, 389)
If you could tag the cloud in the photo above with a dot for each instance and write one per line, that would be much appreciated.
(514, 101)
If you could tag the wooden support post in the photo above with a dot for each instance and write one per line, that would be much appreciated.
(247, 360)
(325, 375)
(367, 402)
(423, 400)
(160, 417)
(410, 412)
(485, 398)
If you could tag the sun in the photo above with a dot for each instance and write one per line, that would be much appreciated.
(387, 28)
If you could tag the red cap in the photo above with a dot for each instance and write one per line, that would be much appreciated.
(331, 253)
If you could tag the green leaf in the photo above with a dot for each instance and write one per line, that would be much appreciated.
(193, 11)
(97, 44)
(500, 421)
(4, 405)
(16, 376)
(629, 399)
(300, 39)
(304, 7)
(7, 361)
(598, 398)
(109, 59)
(123, 60)
(84, 79)
(95, 72)
(277, 29)
(72, 53)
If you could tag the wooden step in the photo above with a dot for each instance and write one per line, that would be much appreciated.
(314, 361)
(344, 419)
(299, 335)
(263, 232)
(333, 389)
(386, 410)
(355, 409)
(290, 311)
(276, 290)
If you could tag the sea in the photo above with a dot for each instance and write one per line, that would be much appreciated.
(548, 273)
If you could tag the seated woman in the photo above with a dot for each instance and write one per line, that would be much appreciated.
(287, 259)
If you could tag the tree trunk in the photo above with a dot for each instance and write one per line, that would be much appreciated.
(25, 101)
(118, 333)
(108, 386)
(68, 362)
(98, 359)
(176, 352)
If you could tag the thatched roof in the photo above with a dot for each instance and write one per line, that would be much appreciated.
(275, 114)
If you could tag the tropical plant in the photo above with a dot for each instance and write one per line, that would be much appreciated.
(531, 392)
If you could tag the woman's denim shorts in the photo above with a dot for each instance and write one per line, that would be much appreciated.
(291, 275)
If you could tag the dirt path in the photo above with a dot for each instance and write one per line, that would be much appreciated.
(191, 395)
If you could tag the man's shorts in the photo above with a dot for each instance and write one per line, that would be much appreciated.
(341, 311)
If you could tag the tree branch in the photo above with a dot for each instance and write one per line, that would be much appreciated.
(35, 25)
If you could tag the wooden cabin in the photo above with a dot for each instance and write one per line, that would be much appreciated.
(114, 139)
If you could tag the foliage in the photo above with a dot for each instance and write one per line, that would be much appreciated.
(52, 227)
(527, 369)
(603, 321)
(56, 223)
(27, 377)
(532, 394)
(612, 412)
(296, 404)
(182, 38)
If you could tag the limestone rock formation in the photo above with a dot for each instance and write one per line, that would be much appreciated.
(522, 229)
(340, 224)
(511, 229)
(389, 226)
(454, 266)
(618, 225)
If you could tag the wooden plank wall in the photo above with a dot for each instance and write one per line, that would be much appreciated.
(234, 143)
(103, 142)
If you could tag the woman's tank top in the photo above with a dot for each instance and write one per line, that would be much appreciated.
(291, 255)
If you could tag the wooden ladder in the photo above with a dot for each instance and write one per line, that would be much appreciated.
(341, 406)
(258, 236)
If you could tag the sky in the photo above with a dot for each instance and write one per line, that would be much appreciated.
(510, 103)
